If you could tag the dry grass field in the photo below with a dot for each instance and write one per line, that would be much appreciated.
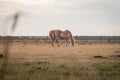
(87, 60)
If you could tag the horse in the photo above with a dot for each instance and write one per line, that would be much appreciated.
(56, 35)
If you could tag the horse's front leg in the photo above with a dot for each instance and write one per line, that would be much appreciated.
(66, 42)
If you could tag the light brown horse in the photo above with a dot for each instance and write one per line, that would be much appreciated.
(55, 35)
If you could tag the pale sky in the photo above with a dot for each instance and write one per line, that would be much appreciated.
(81, 17)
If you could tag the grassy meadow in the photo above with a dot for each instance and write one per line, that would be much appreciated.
(38, 60)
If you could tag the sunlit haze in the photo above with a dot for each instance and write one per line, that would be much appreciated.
(81, 17)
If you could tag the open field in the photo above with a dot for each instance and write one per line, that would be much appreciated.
(87, 60)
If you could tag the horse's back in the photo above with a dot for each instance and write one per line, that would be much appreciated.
(67, 31)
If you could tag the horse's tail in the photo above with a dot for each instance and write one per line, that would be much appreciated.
(51, 34)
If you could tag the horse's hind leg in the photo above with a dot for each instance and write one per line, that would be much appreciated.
(53, 42)
(57, 42)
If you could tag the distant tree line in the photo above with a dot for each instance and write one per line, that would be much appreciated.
(75, 37)
(97, 37)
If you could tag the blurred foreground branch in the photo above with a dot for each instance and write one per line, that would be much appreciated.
(6, 45)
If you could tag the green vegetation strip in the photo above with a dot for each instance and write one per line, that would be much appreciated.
(54, 71)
